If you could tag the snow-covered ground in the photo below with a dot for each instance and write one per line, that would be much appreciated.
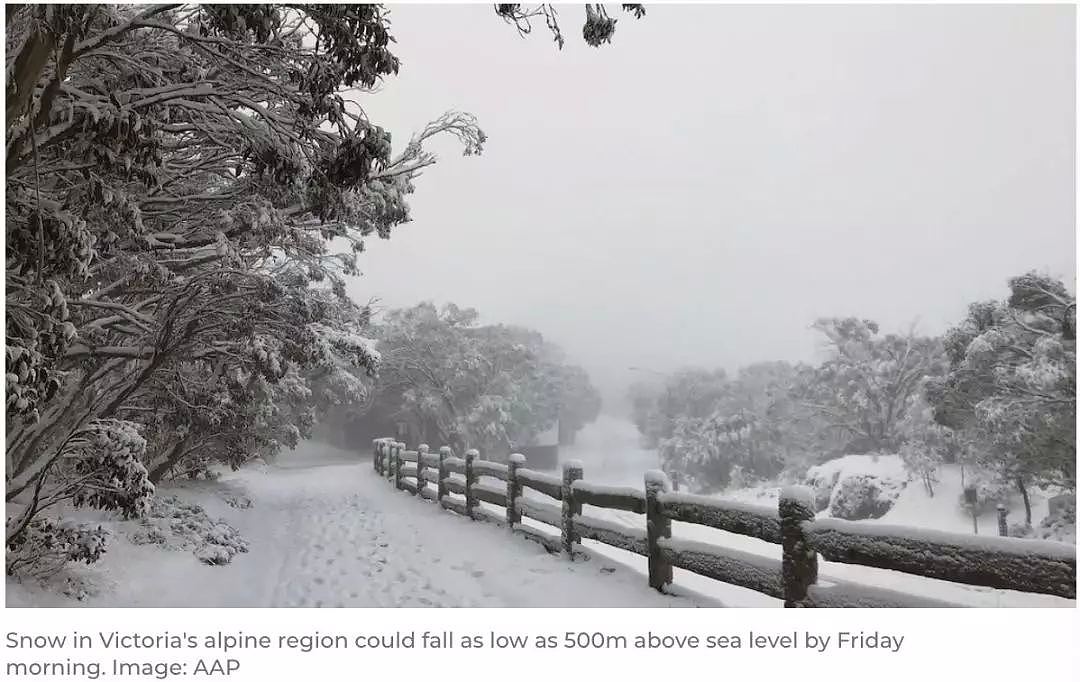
(611, 453)
(324, 530)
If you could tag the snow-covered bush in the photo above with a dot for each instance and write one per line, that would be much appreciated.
(98, 467)
(821, 482)
(864, 496)
(1060, 524)
(238, 501)
(857, 486)
(45, 545)
(176, 524)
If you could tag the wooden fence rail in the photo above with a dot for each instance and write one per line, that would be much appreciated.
(463, 483)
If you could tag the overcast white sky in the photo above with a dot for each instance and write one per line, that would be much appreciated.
(703, 188)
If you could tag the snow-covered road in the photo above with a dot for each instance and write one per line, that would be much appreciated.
(355, 541)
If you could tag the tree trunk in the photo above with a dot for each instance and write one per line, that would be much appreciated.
(1027, 501)
(29, 65)
(174, 456)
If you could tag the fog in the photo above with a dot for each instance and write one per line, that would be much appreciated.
(703, 188)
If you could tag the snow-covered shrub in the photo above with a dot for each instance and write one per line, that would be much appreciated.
(821, 482)
(79, 587)
(1060, 524)
(238, 501)
(99, 467)
(148, 535)
(173, 523)
(864, 496)
(45, 545)
(858, 486)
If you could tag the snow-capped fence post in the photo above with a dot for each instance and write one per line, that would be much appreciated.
(375, 454)
(1003, 521)
(799, 566)
(470, 481)
(388, 458)
(444, 452)
(399, 448)
(513, 489)
(571, 471)
(421, 450)
(656, 526)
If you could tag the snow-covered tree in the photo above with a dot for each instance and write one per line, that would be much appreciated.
(690, 393)
(578, 401)
(470, 385)
(1011, 384)
(180, 181)
(926, 445)
(868, 383)
(187, 187)
(752, 428)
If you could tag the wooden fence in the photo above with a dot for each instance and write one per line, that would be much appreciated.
(462, 483)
